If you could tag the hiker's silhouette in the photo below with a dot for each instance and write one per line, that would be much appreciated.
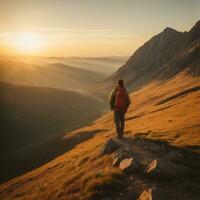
(119, 101)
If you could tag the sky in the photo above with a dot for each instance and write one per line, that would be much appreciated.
(88, 27)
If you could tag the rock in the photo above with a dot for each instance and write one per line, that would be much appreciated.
(110, 146)
(128, 165)
(116, 162)
(151, 167)
(146, 195)
(121, 155)
(131, 178)
(129, 188)
(163, 169)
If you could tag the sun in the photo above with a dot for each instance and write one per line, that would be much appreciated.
(28, 42)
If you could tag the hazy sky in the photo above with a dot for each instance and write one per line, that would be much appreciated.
(89, 27)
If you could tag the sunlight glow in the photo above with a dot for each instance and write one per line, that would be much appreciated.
(28, 42)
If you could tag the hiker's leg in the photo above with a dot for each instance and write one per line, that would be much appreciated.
(120, 124)
(117, 123)
(122, 119)
(118, 129)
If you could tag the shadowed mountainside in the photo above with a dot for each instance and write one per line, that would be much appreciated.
(160, 58)
(33, 119)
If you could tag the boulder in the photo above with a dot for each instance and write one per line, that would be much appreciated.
(116, 161)
(110, 146)
(152, 167)
(128, 165)
(146, 195)
(120, 155)
(163, 169)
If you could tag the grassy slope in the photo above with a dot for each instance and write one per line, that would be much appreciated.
(33, 120)
(163, 111)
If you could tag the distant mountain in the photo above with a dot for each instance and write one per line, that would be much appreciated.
(103, 65)
(162, 57)
(32, 121)
(55, 75)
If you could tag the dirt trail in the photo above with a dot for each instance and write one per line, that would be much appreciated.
(176, 174)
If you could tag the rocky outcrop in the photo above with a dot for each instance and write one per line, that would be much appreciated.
(150, 158)
(121, 154)
(162, 168)
(110, 146)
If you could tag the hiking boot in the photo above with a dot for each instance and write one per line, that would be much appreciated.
(119, 136)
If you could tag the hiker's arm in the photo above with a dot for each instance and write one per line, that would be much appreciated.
(111, 98)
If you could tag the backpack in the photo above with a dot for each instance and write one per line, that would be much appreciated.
(121, 99)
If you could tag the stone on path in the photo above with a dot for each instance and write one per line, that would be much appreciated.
(110, 146)
(146, 195)
(128, 165)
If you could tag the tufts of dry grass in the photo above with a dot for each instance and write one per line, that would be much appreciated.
(103, 183)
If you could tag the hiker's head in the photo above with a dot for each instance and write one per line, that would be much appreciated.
(121, 83)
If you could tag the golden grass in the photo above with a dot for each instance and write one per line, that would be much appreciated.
(82, 173)
(103, 183)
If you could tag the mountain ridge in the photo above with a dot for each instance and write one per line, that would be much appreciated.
(163, 56)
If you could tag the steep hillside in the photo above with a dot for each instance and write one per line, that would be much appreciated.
(160, 58)
(165, 113)
(32, 121)
(55, 75)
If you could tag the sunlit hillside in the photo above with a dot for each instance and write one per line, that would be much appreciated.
(166, 112)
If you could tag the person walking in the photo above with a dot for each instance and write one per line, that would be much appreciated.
(119, 101)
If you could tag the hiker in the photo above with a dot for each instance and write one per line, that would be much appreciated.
(119, 101)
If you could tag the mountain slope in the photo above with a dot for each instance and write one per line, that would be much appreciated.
(160, 58)
(32, 121)
(55, 75)
(166, 112)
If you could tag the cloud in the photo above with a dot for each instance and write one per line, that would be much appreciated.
(75, 32)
